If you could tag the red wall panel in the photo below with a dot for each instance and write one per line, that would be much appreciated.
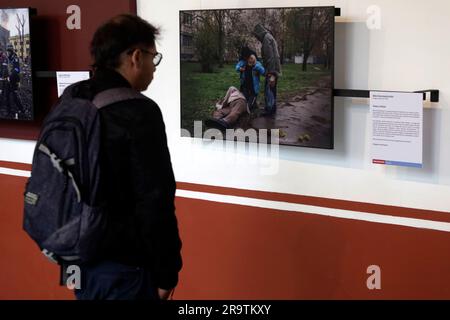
(24, 272)
(239, 252)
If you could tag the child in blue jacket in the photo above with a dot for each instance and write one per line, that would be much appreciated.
(250, 70)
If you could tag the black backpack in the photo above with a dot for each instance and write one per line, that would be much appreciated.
(63, 213)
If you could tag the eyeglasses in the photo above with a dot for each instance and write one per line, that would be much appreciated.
(157, 57)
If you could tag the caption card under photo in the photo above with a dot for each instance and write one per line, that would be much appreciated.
(65, 79)
(397, 128)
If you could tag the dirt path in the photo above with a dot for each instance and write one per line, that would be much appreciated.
(304, 120)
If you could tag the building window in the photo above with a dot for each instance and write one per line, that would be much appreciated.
(187, 41)
(187, 19)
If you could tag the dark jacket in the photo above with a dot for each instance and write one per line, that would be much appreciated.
(138, 183)
(269, 50)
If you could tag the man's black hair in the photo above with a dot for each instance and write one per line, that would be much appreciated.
(119, 34)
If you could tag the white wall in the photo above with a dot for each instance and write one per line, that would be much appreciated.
(410, 52)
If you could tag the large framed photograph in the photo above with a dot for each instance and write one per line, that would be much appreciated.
(255, 69)
(16, 85)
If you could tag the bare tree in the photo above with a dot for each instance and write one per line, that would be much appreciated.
(212, 29)
(328, 48)
(205, 40)
(236, 33)
(220, 19)
(21, 30)
(282, 33)
(308, 28)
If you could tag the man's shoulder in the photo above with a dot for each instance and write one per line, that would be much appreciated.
(269, 39)
(137, 109)
(144, 103)
(138, 102)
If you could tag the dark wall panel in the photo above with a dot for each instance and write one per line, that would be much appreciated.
(56, 48)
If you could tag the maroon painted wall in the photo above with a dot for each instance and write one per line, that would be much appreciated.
(239, 252)
(55, 48)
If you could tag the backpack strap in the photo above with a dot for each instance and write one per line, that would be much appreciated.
(115, 95)
(56, 162)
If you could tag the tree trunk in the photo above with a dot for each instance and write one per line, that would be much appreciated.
(221, 53)
(305, 61)
(220, 28)
(206, 68)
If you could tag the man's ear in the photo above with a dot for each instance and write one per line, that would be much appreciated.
(136, 58)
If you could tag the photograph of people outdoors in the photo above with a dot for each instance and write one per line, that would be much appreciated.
(16, 94)
(260, 69)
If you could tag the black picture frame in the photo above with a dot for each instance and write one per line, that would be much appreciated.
(332, 13)
(25, 92)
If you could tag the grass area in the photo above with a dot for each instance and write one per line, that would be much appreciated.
(201, 91)
(294, 80)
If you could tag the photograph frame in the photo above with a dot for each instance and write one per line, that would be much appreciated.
(330, 145)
